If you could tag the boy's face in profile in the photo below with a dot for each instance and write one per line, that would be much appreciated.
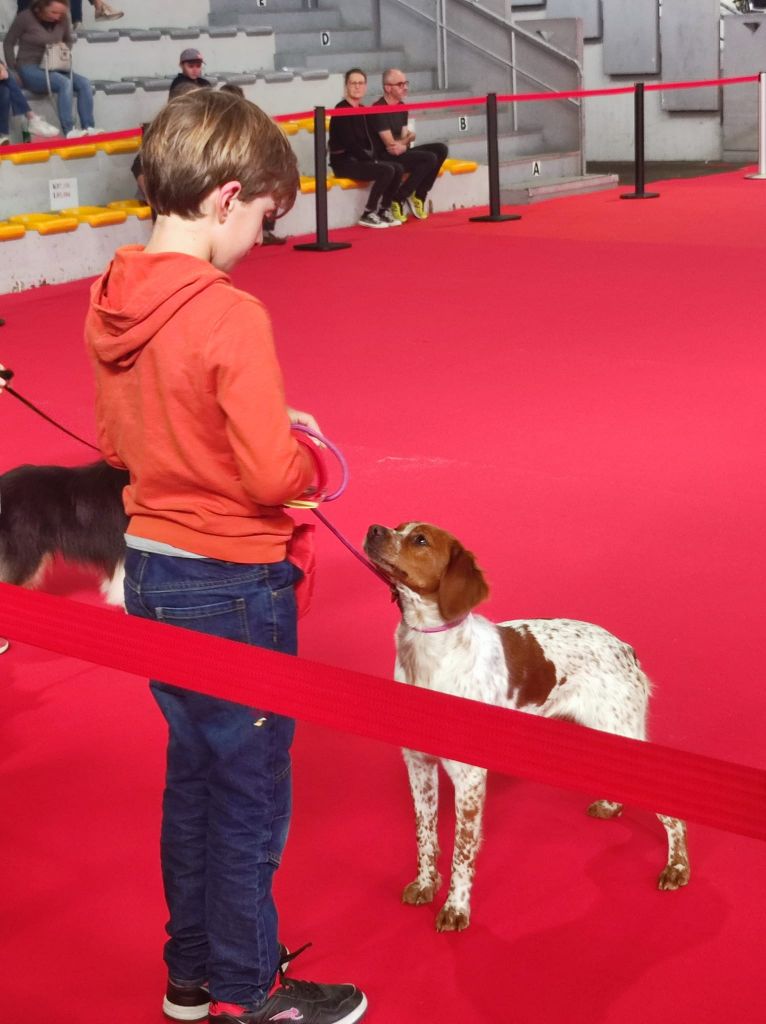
(239, 230)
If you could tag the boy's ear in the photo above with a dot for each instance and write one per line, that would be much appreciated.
(227, 195)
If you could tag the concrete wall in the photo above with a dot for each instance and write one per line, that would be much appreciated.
(670, 135)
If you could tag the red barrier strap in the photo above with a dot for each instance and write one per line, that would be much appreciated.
(62, 143)
(468, 101)
(703, 789)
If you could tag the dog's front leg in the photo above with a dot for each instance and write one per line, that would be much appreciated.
(424, 785)
(470, 790)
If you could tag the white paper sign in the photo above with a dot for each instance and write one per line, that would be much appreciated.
(63, 193)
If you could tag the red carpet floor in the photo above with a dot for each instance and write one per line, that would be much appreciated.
(580, 397)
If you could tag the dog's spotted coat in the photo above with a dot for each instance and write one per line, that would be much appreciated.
(556, 668)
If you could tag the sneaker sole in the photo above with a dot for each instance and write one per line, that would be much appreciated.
(375, 227)
(356, 1014)
(188, 1013)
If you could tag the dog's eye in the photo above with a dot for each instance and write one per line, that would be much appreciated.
(420, 539)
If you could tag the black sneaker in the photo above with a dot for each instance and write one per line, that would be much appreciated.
(369, 219)
(191, 1002)
(186, 1002)
(297, 1001)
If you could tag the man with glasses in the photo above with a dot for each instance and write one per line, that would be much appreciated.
(191, 72)
(352, 156)
(394, 141)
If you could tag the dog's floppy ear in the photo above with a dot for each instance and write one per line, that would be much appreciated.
(462, 585)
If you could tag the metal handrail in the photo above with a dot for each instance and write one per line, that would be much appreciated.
(511, 65)
(530, 36)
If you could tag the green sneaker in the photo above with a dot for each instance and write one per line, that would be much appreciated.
(417, 207)
(398, 212)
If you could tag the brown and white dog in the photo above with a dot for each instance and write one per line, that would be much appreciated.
(522, 665)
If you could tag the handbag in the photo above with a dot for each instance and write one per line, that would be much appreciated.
(57, 57)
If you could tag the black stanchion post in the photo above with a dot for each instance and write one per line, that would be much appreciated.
(323, 243)
(638, 128)
(493, 165)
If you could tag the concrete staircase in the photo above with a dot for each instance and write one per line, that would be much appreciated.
(530, 167)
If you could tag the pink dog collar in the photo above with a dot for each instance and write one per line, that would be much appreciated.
(441, 629)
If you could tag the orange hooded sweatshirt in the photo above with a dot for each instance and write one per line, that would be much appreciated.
(189, 398)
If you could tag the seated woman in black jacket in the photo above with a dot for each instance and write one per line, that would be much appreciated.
(351, 156)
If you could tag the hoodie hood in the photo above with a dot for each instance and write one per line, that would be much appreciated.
(137, 295)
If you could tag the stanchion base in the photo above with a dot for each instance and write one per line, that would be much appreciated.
(756, 176)
(641, 195)
(322, 246)
(495, 218)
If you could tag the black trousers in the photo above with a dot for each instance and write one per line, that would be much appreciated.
(423, 164)
(385, 175)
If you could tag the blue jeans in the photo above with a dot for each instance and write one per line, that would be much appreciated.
(227, 801)
(12, 100)
(62, 84)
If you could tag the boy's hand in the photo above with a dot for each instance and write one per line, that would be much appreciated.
(304, 418)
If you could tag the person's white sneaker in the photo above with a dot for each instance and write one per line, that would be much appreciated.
(94, 131)
(4, 645)
(4, 140)
(371, 220)
(37, 126)
(76, 133)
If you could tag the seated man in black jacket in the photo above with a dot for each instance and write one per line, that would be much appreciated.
(351, 156)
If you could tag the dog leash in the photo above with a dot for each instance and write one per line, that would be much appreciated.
(318, 496)
(7, 375)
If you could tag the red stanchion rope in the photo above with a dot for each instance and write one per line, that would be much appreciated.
(467, 101)
(702, 789)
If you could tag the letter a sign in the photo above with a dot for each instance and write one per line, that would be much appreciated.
(536, 169)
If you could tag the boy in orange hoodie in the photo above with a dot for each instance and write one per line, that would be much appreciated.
(190, 400)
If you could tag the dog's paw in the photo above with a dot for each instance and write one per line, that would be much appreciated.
(605, 809)
(675, 876)
(415, 894)
(450, 919)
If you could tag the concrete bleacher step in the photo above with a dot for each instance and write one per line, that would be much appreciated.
(536, 176)
(283, 20)
(534, 191)
(510, 144)
(371, 60)
(146, 13)
(98, 54)
(343, 40)
(230, 10)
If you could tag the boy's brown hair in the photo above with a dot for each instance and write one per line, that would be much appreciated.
(202, 140)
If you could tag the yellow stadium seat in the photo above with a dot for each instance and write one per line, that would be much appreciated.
(112, 146)
(34, 156)
(306, 124)
(289, 127)
(308, 184)
(346, 183)
(460, 166)
(133, 208)
(96, 216)
(45, 223)
(76, 152)
(9, 232)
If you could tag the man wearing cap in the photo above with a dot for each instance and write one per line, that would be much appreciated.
(191, 72)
